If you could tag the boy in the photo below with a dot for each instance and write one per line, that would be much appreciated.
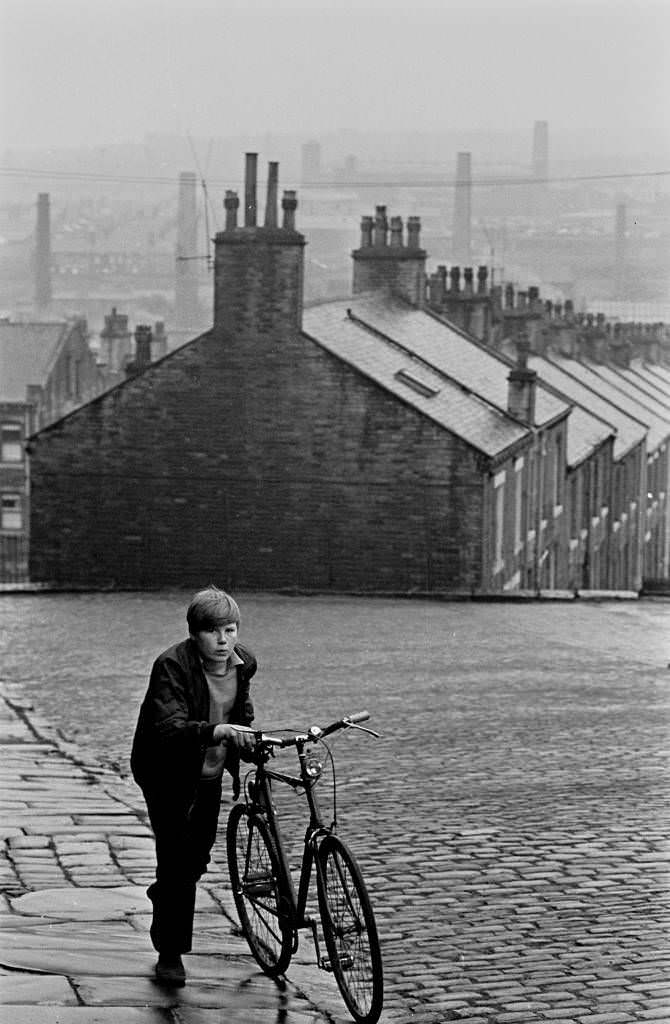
(186, 736)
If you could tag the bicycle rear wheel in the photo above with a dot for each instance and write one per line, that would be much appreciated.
(255, 879)
(349, 931)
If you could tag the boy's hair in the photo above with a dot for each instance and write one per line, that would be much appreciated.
(211, 607)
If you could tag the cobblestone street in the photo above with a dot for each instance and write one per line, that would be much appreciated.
(511, 822)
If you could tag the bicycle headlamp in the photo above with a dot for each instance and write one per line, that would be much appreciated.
(313, 768)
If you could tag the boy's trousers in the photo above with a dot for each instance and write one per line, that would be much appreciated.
(184, 838)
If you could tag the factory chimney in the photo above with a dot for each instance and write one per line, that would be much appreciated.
(43, 292)
(461, 243)
(541, 150)
(186, 273)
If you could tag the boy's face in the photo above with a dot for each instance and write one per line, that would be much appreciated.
(216, 644)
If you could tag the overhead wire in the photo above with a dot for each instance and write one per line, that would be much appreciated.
(336, 182)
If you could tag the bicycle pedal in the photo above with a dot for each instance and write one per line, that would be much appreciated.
(346, 962)
(259, 889)
(325, 965)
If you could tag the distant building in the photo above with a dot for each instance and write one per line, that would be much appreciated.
(359, 445)
(47, 370)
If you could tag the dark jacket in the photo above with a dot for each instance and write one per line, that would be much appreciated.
(173, 729)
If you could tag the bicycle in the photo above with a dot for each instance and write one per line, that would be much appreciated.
(271, 913)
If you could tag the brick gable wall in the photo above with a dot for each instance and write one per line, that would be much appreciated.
(257, 462)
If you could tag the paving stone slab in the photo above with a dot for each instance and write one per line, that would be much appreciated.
(89, 1015)
(226, 992)
(17, 987)
(53, 959)
(84, 904)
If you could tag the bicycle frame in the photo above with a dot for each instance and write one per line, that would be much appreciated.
(262, 800)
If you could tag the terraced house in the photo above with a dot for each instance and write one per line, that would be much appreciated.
(366, 444)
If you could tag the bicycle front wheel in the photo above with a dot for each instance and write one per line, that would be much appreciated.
(349, 931)
(255, 879)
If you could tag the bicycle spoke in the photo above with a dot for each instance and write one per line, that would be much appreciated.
(256, 890)
(350, 932)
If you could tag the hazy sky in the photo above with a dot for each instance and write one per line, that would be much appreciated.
(82, 72)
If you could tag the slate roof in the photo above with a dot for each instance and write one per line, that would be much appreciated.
(629, 432)
(647, 384)
(610, 386)
(26, 351)
(451, 351)
(657, 376)
(452, 406)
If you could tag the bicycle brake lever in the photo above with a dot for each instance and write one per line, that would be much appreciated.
(370, 732)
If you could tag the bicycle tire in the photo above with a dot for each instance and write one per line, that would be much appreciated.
(350, 931)
(255, 879)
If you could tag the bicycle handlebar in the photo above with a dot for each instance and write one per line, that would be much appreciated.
(314, 733)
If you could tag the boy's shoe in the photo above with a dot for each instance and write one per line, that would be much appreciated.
(170, 970)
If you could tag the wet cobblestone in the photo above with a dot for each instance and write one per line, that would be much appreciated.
(512, 822)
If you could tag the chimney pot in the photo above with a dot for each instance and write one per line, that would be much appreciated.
(509, 296)
(366, 232)
(271, 202)
(482, 280)
(231, 204)
(468, 277)
(289, 206)
(381, 226)
(455, 279)
(413, 232)
(396, 232)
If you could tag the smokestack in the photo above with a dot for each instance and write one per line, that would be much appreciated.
(186, 280)
(541, 150)
(43, 293)
(462, 210)
(250, 190)
(620, 251)
(271, 202)
(311, 162)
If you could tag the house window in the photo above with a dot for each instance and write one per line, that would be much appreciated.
(518, 502)
(499, 505)
(11, 516)
(12, 447)
(558, 470)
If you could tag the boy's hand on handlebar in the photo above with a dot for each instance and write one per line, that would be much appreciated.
(239, 736)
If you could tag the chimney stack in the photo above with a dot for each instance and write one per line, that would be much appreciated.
(522, 386)
(250, 174)
(396, 267)
(43, 294)
(258, 268)
(142, 346)
(116, 341)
